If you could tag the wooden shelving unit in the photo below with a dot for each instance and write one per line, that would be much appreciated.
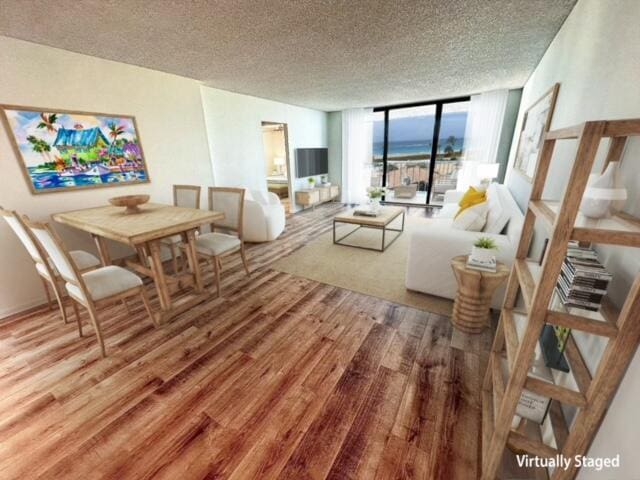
(536, 284)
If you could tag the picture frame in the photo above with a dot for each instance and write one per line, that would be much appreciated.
(64, 150)
(535, 123)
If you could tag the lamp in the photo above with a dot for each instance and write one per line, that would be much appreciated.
(486, 172)
(279, 162)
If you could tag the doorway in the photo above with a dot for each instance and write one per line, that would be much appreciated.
(276, 156)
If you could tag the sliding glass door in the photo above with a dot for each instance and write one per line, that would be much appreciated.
(450, 151)
(418, 150)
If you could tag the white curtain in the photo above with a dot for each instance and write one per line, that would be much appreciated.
(357, 138)
(482, 134)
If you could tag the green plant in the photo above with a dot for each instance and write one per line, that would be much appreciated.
(375, 192)
(311, 180)
(485, 242)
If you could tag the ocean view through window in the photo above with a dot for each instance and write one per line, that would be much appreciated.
(404, 141)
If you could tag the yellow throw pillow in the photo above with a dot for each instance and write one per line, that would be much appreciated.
(470, 198)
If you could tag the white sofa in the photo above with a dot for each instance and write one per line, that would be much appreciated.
(432, 247)
(264, 216)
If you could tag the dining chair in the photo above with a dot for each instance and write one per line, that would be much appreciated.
(45, 268)
(225, 237)
(94, 289)
(187, 196)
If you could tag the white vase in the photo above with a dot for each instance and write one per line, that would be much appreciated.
(603, 192)
(482, 254)
(374, 204)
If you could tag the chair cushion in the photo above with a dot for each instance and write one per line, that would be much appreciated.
(216, 243)
(84, 260)
(105, 282)
(43, 271)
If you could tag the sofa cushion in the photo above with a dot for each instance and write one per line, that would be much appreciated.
(499, 213)
(472, 218)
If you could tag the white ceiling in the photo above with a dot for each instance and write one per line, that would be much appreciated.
(327, 54)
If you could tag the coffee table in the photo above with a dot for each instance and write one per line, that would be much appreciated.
(380, 222)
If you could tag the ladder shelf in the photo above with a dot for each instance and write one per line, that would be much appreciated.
(513, 351)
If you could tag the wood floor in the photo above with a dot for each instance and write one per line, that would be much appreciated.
(281, 377)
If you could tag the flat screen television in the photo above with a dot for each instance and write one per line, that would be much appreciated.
(312, 161)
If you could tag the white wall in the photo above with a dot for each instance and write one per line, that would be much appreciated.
(596, 59)
(169, 115)
(235, 135)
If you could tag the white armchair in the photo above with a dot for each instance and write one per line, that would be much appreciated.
(264, 217)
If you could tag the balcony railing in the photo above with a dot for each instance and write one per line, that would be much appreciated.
(415, 171)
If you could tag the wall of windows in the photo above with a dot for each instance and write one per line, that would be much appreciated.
(418, 149)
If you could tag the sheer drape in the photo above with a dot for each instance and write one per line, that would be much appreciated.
(357, 138)
(482, 133)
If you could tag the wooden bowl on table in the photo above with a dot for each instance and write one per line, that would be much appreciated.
(132, 202)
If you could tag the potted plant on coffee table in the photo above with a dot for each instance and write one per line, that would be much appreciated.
(375, 195)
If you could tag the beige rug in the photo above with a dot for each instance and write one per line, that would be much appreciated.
(380, 274)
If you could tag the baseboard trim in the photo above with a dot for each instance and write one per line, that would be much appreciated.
(24, 308)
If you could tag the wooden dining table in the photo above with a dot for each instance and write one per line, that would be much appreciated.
(144, 232)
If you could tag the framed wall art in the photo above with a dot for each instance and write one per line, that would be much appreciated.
(61, 150)
(535, 123)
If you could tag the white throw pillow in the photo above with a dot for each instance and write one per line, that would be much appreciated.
(498, 215)
(472, 219)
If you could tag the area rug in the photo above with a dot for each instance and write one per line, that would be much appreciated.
(380, 274)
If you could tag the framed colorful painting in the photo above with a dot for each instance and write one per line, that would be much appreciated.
(535, 123)
(61, 150)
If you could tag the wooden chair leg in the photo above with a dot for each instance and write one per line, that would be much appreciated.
(126, 305)
(244, 260)
(47, 292)
(147, 306)
(215, 261)
(77, 314)
(96, 325)
(60, 301)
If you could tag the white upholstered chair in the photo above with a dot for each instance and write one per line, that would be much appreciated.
(187, 196)
(93, 289)
(264, 216)
(225, 237)
(45, 268)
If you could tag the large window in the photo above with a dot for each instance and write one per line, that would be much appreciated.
(418, 150)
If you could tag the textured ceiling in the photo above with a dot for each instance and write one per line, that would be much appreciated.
(327, 54)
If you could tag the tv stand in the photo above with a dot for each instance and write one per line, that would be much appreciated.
(310, 197)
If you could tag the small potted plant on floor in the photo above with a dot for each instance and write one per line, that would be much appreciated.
(311, 181)
(483, 250)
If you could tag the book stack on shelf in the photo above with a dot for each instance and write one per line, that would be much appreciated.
(583, 279)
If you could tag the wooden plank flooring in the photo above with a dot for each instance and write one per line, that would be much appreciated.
(281, 377)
